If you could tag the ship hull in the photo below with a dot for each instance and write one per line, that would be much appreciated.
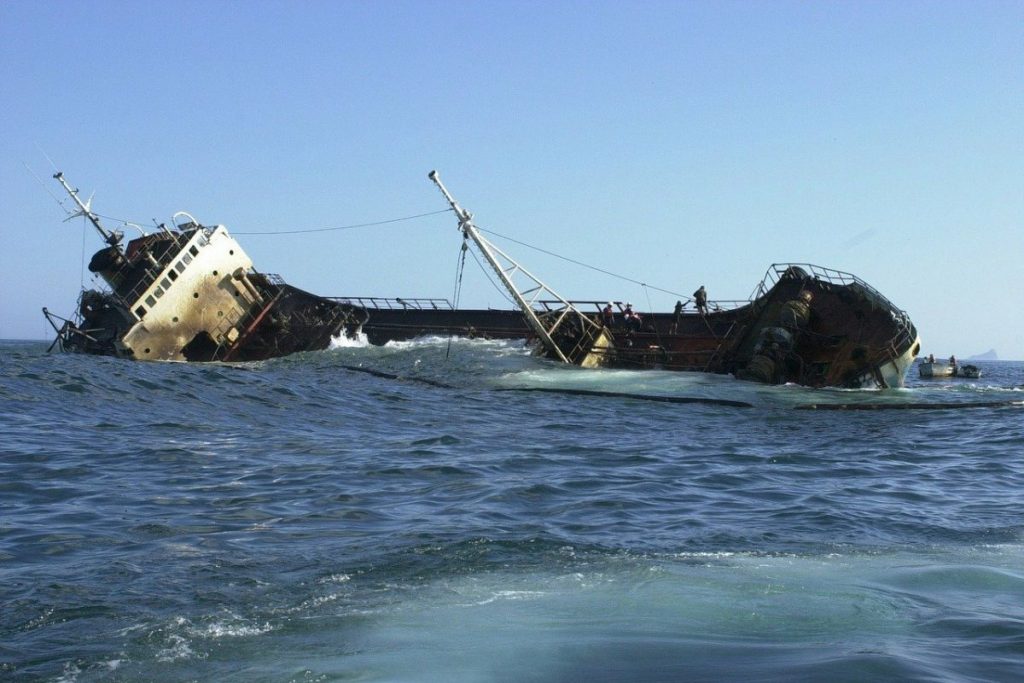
(807, 325)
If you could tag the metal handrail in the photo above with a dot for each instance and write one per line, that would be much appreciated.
(395, 303)
(598, 304)
(832, 276)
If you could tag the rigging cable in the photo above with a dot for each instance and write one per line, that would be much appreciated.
(653, 322)
(487, 273)
(585, 265)
(81, 271)
(346, 227)
(311, 230)
(460, 268)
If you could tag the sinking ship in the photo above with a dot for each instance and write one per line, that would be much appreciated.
(189, 292)
(803, 324)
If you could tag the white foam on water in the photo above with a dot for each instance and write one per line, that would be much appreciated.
(509, 364)
(343, 341)
(335, 578)
(231, 629)
(540, 625)
(178, 648)
(440, 341)
(69, 674)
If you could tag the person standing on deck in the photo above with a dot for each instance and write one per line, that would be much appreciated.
(632, 318)
(608, 315)
(677, 314)
(700, 297)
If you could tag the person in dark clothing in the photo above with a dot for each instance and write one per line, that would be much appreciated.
(608, 315)
(677, 315)
(632, 318)
(700, 297)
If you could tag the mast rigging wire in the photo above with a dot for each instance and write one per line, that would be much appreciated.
(345, 227)
(311, 230)
(409, 218)
(585, 265)
(458, 289)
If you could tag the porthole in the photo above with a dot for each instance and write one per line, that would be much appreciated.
(215, 272)
(147, 351)
(174, 319)
(195, 295)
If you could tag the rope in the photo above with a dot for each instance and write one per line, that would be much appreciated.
(657, 332)
(584, 265)
(345, 227)
(81, 262)
(311, 230)
(459, 269)
(487, 273)
(45, 186)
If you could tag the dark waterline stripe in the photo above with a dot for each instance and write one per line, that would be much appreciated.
(388, 375)
(641, 397)
(908, 406)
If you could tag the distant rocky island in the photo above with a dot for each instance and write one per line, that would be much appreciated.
(988, 355)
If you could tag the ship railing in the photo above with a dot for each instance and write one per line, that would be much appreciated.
(274, 279)
(125, 301)
(395, 303)
(905, 335)
(778, 271)
(164, 258)
(905, 332)
(598, 305)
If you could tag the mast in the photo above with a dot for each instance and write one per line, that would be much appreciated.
(470, 231)
(113, 239)
(598, 343)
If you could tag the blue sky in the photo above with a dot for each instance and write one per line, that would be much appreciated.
(676, 143)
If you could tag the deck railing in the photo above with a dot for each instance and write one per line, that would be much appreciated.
(395, 303)
(584, 306)
(905, 330)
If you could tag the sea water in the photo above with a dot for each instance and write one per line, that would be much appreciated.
(416, 512)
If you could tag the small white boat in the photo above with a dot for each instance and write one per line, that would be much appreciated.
(941, 368)
(938, 368)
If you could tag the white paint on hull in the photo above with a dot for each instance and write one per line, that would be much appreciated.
(204, 289)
